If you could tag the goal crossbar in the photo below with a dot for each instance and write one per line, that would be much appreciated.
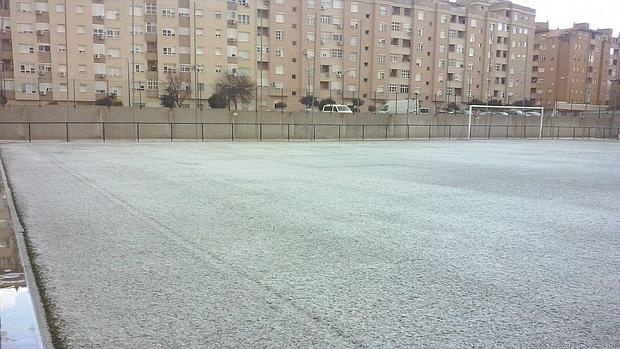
(484, 106)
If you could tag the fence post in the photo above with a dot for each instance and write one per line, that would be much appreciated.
(313, 132)
(202, 132)
(449, 131)
(138, 131)
(489, 132)
(288, 132)
(386, 132)
(574, 128)
(589, 132)
(260, 132)
(67, 131)
(29, 133)
(408, 127)
(232, 131)
(558, 132)
(506, 131)
(171, 136)
(339, 133)
(524, 131)
(363, 133)
(429, 131)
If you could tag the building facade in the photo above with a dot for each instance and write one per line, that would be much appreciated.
(575, 66)
(438, 51)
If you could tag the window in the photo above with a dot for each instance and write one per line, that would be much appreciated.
(168, 32)
(395, 26)
(279, 52)
(243, 19)
(27, 68)
(279, 34)
(420, 16)
(167, 12)
(419, 47)
(382, 11)
(60, 28)
(404, 88)
(279, 17)
(381, 75)
(168, 51)
(393, 88)
(418, 62)
(471, 52)
(279, 69)
(60, 8)
(152, 84)
(354, 7)
(79, 9)
(151, 28)
(113, 33)
(150, 9)
(183, 12)
(381, 59)
(112, 14)
(135, 11)
(382, 27)
(473, 23)
(405, 74)
(381, 43)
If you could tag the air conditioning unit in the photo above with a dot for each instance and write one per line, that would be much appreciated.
(339, 74)
(98, 56)
(101, 17)
(39, 12)
(274, 84)
(42, 93)
(62, 73)
(339, 26)
(101, 75)
(339, 43)
(100, 36)
(322, 42)
(40, 32)
(338, 92)
(41, 72)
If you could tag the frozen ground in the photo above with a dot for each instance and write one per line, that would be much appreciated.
(438, 244)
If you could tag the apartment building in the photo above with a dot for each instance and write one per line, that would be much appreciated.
(575, 65)
(76, 51)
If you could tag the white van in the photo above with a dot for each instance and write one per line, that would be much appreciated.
(337, 108)
(400, 107)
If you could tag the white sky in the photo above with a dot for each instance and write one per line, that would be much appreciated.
(563, 13)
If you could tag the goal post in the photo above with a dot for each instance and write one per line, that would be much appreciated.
(476, 111)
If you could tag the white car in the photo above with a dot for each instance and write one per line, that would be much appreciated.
(533, 113)
(337, 108)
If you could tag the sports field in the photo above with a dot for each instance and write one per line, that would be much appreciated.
(378, 244)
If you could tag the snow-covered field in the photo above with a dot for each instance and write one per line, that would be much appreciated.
(281, 245)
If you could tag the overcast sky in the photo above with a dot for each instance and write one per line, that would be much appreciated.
(563, 13)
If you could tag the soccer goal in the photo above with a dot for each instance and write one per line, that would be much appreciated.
(529, 113)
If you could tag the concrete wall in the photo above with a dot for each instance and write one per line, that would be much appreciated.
(122, 123)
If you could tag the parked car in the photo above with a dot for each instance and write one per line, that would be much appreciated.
(337, 108)
(533, 113)
(494, 113)
(399, 107)
(515, 112)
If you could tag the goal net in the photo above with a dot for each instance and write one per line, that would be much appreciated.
(488, 121)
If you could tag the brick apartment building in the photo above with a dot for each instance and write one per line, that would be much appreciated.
(375, 50)
(575, 65)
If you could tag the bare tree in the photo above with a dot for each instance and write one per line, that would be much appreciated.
(235, 89)
(177, 91)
